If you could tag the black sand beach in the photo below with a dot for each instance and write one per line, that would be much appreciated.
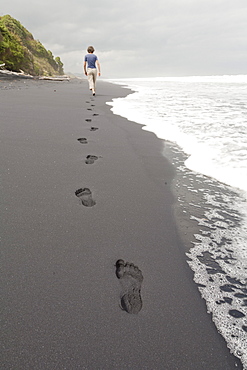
(72, 208)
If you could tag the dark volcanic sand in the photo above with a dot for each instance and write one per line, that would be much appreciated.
(60, 242)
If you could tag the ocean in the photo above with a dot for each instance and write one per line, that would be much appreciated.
(203, 121)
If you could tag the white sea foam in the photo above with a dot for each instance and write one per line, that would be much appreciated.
(219, 256)
(224, 286)
(207, 118)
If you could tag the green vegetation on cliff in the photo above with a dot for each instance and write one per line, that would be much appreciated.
(19, 51)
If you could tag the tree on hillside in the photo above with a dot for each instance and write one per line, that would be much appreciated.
(60, 65)
(11, 51)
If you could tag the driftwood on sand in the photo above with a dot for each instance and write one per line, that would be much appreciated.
(55, 78)
(11, 73)
(24, 75)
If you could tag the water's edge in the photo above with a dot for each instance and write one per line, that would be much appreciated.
(210, 225)
(211, 219)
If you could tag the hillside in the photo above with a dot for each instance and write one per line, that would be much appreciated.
(20, 52)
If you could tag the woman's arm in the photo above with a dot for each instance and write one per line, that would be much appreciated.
(85, 70)
(98, 66)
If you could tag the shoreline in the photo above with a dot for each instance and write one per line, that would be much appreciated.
(61, 294)
(211, 221)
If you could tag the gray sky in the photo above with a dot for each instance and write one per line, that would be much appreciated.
(141, 38)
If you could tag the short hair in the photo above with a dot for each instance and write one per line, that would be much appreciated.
(90, 49)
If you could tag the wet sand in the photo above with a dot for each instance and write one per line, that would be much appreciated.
(82, 189)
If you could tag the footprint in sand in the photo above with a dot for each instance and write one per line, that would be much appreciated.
(131, 279)
(85, 195)
(90, 159)
(95, 114)
(82, 140)
(88, 120)
(94, 128)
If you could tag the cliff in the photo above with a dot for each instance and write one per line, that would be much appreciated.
(20, 52)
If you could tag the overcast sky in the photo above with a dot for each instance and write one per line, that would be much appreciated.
(141, 38)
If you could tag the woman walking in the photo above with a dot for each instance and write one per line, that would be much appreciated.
(91, 65)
